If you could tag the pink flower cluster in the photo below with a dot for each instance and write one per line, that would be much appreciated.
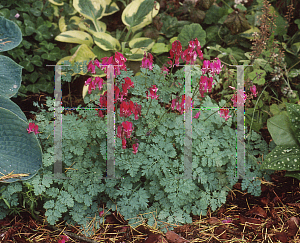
(189, 55)
(241, 94)
(33, 128)
(126, 130)
(147, 61)
(212, 67)
(118, 61)
(153, 91)
(128, 107)
(179, 106)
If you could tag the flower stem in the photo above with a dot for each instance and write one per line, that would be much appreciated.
(149, 107)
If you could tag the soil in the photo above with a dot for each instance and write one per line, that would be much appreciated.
(272, 217)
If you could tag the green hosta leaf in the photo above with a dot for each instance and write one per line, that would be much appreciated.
(159, 48)
(295, 174)
(136, 54)
(190, 32)
(281, 131)
(283, 158)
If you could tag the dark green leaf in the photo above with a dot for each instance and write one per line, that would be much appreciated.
(190, 32)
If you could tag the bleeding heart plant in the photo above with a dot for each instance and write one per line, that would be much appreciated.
(208, 71)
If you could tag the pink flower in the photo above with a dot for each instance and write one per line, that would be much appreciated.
(253, 90)
(175, 52)
(119, 62)
(190, 55)
(128, 82)
(179, 107)
(224, 113)
(206, 66)
(127, 126)
(197, 115)
(234, 98)
(164, 69)
(216, 67)
(33, 128)
(97, 63)
(17, 15)
(205, 85)
(101, 213)
(153, 91)
(64, 238)
(100, 113)
(91, 67)
(147, 61)
(98, 81)
(135, 148)
(227, 221)
(123, 143)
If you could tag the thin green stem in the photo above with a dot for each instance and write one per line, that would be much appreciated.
(149, 107)
(254, 112)
(225, 3)
(128, 34)
(293, 65)
(96, 26)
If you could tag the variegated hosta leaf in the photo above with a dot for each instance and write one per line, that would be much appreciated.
(83, 53)
(62, 24)
(106, 41)
(75, 36)
(142, 42)
(283, 158)
(294, 115)
(91, 9)
(57, 2)
(110, 9)
(137, 54)
(140, 13)
(88, 26)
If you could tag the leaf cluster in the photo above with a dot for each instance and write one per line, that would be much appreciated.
(37, 47)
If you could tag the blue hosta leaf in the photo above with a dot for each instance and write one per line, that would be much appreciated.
(20, 152)
(10, 76)
(10, 33)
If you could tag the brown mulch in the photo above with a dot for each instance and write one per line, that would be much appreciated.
(272, 217)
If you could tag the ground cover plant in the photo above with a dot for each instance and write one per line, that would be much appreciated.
(62, 200)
